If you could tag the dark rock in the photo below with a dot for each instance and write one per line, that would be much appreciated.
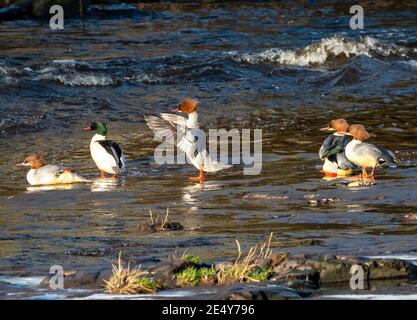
(258, 292)
(331, 271)
(309, 242)
(163, 273)
(391, 269)
(71, 7)
(303, 285)
(278, 258)
(93, 279)
(262, 263)
(302, 275)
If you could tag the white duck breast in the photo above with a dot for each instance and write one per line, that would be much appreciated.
(367, 155)
(51, 174)
(107, 155)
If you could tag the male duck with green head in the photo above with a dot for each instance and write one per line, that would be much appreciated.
(107, 155)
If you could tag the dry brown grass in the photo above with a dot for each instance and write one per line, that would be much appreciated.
(241, 269)
(125, 280)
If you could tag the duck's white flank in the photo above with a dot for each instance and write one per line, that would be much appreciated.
(103, 160)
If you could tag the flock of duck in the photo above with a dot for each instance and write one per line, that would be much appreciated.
(344, 152)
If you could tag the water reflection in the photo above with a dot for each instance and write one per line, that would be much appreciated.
(105, 185)
(191, 194)
(52, 187)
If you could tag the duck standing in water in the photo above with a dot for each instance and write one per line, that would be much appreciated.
(41, 173)
(364, 154)
(332, 151)
(106, 154)
(190, 138)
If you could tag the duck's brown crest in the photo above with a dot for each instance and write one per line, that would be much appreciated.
(339, 125)
(36, 160)
(358, 132)
(188, 105)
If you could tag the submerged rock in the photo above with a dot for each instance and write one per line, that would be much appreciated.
(260, 292)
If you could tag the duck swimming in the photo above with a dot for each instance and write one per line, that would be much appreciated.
(41, 173)
(364, 154)
(190, 138)
(332, 151)
(106, 154)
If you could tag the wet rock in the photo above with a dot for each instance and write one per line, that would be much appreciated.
(97, 252)
(286, 266)
(263, 263)
(331, 270)
(298, 275)
(83, 278)
(278, 258)
(164, 273)
(257, 292)
(71, 8)
(156, 226)
(223, 265)
(322, 202)
(391, 269)
(309, 242)
(303, 285)
(264, 196)
(407, 218)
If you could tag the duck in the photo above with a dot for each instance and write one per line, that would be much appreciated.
(106, 154)
(41, 173)
(367, 155)
(189, 137)
(332, 151)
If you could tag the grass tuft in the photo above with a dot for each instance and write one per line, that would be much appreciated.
(243, 267)
(192, 275)
(125, 280)
(191, 258)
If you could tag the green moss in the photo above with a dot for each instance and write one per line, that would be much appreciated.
(207, 272)
(189, 275)
(192, 275)
(191, 258)
(260, 275)
(148, 284)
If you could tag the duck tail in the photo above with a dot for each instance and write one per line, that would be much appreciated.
(388, 157)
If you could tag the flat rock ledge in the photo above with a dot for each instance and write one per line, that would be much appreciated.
(292, 278)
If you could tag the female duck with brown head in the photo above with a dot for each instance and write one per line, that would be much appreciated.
(189, 137)
(332, 151)
(364, 154)
(41, 173)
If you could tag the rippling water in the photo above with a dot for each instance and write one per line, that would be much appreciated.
(272, 66)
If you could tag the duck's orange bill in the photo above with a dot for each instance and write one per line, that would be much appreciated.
(87, 129)
(21, 164)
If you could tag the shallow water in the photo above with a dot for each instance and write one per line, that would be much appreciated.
(276, 67)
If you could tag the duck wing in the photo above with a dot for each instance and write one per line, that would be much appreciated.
(387, 156)
(333, 145)
(168, 126)
(113, 149)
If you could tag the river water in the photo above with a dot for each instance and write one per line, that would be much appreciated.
(287, 68)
